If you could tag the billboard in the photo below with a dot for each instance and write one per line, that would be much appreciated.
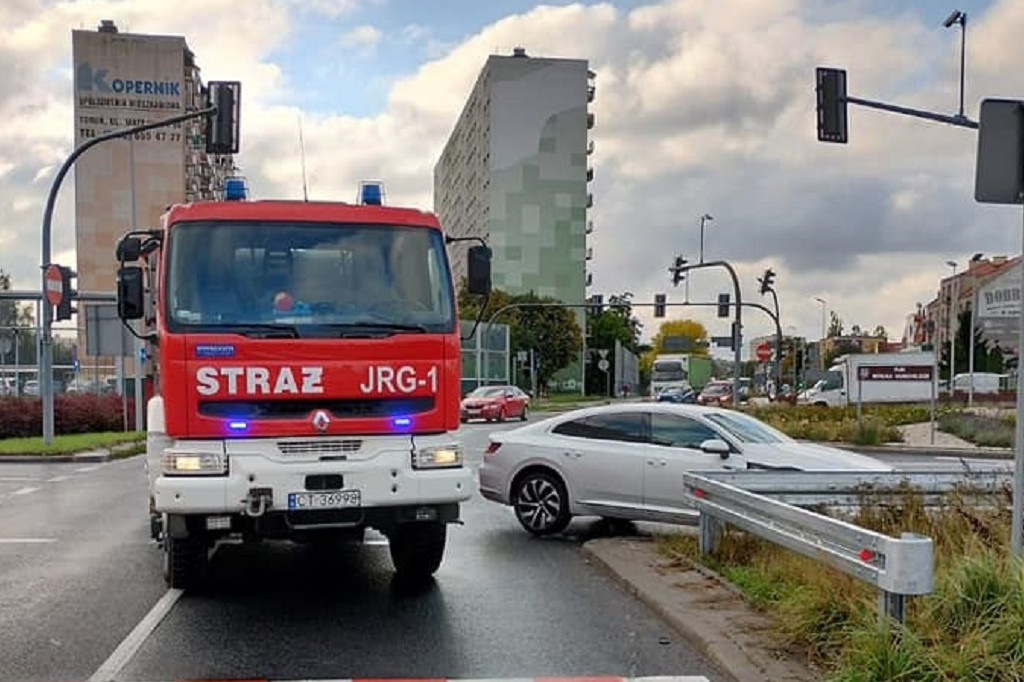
(122, 80)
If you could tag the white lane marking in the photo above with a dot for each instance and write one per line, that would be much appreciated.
(24, 491)
(136, 638)
(26, 541)
(11, 479)
(85, 470)
(58, 479)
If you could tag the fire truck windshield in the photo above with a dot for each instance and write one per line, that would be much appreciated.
(308, 278)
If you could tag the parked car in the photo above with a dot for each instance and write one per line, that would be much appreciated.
(626, 461)
(30, 387)
(677, 395)
(717, 392)
(495, 403)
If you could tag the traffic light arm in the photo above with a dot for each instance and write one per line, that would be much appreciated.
(961, 121)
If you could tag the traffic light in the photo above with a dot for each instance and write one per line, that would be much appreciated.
(677, 271)
(659, 305)
(723, 305)
(831, 90)
(596, 304)
(767, 280)
(64, 309)
(222, 126)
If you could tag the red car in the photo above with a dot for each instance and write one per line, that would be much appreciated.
(717, 393)
(495, 403)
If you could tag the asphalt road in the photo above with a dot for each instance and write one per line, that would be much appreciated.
(77, 574)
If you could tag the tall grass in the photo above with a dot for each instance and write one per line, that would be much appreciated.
(970, 628)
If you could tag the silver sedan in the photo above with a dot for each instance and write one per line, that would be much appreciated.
(626, 461)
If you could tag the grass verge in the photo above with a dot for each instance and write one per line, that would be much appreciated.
(78, 442)
(986, 431)
(878, 423)
(967, 629)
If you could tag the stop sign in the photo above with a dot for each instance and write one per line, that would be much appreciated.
(54, 285)
(764, 351)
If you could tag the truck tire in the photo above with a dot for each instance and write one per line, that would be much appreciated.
(417, 549)
(185, 562)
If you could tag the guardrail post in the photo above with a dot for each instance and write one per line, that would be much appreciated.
(710, 534)
(891, 607)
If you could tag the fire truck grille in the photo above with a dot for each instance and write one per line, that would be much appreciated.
(350, 408)
(318, 447)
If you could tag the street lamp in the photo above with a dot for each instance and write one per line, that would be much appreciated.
(821, 344)
(952, 326)
(703, 219)
(958, 17)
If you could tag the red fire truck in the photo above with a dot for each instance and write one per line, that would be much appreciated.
(305, 374)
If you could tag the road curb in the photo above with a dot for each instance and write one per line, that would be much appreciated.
(85, 456)
(710, 615)
(928, 450)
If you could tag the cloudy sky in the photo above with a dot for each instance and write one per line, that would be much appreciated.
(703, 106)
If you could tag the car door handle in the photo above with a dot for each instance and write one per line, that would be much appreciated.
(574, 453)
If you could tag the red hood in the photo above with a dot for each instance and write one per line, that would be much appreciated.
(218, 385)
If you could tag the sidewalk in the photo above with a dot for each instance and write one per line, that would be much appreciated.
(708, 612)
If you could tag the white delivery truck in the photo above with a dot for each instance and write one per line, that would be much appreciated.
(875, 378)
(984, 382)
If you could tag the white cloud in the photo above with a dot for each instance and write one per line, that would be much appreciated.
(702, 106)
(364, 38)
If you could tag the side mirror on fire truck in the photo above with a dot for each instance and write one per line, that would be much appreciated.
(130, 293)
(129, 249)
(478, 264)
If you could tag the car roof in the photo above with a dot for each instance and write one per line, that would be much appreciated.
(664, 408)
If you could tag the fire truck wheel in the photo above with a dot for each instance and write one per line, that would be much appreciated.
(185, 562)
(417, 549)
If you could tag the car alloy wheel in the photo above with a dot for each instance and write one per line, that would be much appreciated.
(541, 503)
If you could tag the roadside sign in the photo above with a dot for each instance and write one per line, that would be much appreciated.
(764, 351)
(54, 285)
(895, 373)
(602, 365)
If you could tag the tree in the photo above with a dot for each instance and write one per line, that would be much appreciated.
(835, 325)
(880, 332)
(841, 348)
(691, 329)
(551, 332)
(855, 330)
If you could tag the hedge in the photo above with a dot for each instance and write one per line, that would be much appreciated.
(76, 413)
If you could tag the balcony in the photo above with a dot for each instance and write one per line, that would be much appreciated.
(590, 253)
(590, 148)
(590, 226)
(590, 279)
(590, 120)
(590, 175)
(591, 91)
(590, 200)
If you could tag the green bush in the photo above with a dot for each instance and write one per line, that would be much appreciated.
(981, 430)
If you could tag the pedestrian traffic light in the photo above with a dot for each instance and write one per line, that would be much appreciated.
(723, 305)
(64, 309)
(659, 305)
(678, 275)
(767, 280)
(831, 88)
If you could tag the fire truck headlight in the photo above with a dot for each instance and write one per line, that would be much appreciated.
(443, 457)
(177, 463)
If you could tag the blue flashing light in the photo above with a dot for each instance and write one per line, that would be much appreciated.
(402, 421)
(238, 425)
(234, 189)
(371, 193)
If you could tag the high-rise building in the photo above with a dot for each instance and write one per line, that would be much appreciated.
(515, 171)
(122, 80)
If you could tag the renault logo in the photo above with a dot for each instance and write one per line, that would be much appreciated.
(321, 421)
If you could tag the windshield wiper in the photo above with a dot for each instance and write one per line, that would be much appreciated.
(363, 325)
(258, 331)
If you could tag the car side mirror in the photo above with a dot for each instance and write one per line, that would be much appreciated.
(478, 265)
(716, 446)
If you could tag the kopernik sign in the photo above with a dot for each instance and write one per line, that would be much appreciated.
(895, 373)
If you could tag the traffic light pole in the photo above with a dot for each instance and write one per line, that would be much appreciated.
(46, 337)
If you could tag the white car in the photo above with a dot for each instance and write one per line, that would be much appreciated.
(627, 461)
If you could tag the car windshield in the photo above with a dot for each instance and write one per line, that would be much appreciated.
(717, 389)
(668, 370)
(487, 392)
(307, 278)
(747, 429)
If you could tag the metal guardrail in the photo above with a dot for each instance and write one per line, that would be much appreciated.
(764, 504)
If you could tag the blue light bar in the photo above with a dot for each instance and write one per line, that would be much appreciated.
(234, 189)
(238, 425)
(371, 193)
(402, 421)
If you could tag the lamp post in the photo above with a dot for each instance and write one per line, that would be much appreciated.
(703, 219)
(952, 326)
(958, 17)
(821, 344)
